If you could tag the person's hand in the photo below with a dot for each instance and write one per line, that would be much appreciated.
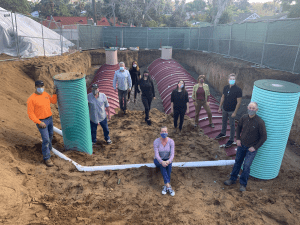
(219, 110)
(154, 98)
(167, 162)
(238, 143)
(42, 125)
(54, 90)
(171, 110)
(195, 103)
(207, 103)
(164, 163)
(251, 149)
(188, 111)
(129, 89)
(233, 115)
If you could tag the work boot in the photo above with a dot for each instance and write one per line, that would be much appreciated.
(229, 182)
(242, 188)
(49, 163)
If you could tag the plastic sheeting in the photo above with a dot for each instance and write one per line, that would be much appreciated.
(29, 34)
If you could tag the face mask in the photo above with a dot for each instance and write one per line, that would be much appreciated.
(231, 82)
(134, 65)
(121, 68)
(40, 90)
(201, 81)
(251, 112)
(164, 135)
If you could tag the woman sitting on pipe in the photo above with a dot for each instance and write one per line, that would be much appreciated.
(200, 96)
(164, 149)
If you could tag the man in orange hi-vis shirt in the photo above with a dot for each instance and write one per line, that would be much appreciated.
(39, 111)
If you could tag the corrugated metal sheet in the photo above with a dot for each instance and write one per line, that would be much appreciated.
(104, 78)
(167, 74)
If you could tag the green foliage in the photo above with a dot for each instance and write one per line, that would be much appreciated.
(20, 6)
(294, 11)
(265, 9)
(151, 23)
(195, 6)
(225, 18)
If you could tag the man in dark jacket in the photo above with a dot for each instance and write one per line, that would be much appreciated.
(250, 134)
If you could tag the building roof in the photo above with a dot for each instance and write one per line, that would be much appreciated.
(66, 22)
(244, 16)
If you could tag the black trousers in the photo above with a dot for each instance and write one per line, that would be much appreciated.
(178, 112)
(136, 90)
(147, 104)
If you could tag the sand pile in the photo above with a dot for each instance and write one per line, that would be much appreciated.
(133, 141)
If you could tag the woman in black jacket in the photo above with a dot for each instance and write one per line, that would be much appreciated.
(135, 77)
(179, 104)
(148, 93)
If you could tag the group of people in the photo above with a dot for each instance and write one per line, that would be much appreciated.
(250, 134)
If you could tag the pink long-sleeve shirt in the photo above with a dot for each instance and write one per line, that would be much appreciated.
(158, 147)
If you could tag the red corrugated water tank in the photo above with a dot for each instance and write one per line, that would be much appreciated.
(167, 74)
(104, 78)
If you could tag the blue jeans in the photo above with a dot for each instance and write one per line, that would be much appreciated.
(104, 126)
(165, 171)
(47, 136)
(241, 154)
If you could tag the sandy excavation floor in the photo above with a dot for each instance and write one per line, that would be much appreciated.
(31, 193)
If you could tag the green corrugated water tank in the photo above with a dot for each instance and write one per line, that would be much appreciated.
(277, 102)
(74, 112)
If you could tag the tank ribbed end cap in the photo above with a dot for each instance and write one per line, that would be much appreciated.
(277, 86)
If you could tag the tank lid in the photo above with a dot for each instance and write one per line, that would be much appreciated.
(111, 49)
(277, 86)
(167, 47)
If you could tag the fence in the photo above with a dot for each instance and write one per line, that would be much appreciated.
(273, 43)
(27, 38)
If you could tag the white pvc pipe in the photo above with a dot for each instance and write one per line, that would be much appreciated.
(129, 166)
(55, 129)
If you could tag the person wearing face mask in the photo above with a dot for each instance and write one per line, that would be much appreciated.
(231, 101)
(135, 77)
(148, 93)
(200, 96)
(250, 134)
(122, 77)
(179, 104)
(39, 111)
(97, 105)
(164, 149)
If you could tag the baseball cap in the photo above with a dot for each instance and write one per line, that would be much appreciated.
(39, 82)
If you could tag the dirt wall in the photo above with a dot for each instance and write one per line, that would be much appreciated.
(217, 68)
(17, 84)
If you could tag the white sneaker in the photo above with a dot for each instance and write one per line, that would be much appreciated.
(171, 191)
(164, 191)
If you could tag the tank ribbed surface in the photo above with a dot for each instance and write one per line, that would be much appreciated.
(74, 114)
(104, 78)
(167, 74)
(277, 109)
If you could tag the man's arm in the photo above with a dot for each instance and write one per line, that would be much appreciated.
(239, 101)
(222, 101)
(129, 81)
(115, 80)
(239, 128)
(263, 135)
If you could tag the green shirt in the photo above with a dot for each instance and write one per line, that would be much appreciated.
(195, 89)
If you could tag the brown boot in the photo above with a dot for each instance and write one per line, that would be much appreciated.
(49, 163)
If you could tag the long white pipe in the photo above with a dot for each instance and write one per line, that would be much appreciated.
(129, 166)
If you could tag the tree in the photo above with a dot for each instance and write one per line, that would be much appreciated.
(221, 8)
(20, 6)
(294, 11)
(195, 6)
